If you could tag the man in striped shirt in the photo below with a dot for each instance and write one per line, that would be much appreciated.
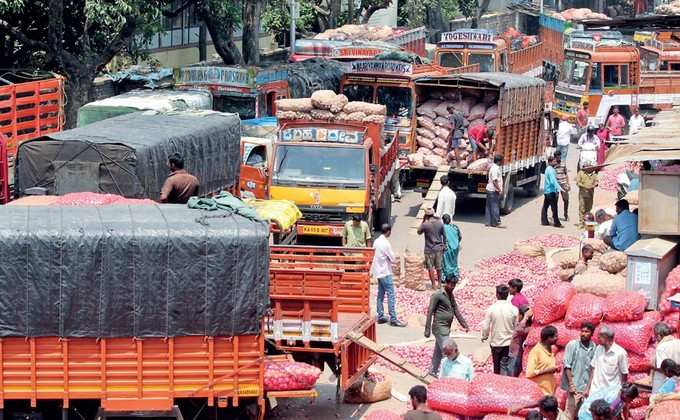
(563, 182)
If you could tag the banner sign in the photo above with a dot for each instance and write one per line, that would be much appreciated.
(380, 66)
(475, 35)
(231, 76)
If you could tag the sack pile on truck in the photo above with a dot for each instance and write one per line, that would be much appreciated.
(434, 125)
(329, 106)
(518, 40)
(578, 14)
(672, 8)
(359, 32)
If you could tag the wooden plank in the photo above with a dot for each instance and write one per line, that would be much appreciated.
(390, 356)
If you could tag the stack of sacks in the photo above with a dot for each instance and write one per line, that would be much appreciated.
(578, 14)
(359, 32)
(328, 106)
(518, 40)
(671, 315)
(622, 311)
(434, 125)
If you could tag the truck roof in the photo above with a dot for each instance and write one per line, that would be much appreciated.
(610, 54)
(497, 79)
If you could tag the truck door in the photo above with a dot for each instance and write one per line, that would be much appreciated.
(254, 170)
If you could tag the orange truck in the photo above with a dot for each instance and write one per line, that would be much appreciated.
(331, 171)
(317, 297)
(31, 105)
(465, 47)
(519, 132)
(393, 84)
(602, 69)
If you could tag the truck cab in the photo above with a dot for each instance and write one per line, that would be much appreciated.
(472, 46)
(601, 69)
(332, 171)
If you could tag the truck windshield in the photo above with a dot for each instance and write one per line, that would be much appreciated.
(298, 164)
(453, 59)
(396, 99)
(575, 72)
(485, 61)
(362, 93)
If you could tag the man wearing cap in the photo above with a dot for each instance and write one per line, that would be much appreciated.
(435, 244)
(356, 233)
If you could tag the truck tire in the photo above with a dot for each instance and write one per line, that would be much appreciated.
(383, 216)
(534, 188)
(508, 199)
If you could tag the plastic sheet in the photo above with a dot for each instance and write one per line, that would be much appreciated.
(584, 307)
(624, 306)
(289, 376)
(131, 271)
(552, 304)
(502, 417)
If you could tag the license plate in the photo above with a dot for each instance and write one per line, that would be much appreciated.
(481, 187)
(314, 230)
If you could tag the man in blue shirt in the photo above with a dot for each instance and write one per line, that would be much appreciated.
(551, 190)
(455, 365)
(624, 230)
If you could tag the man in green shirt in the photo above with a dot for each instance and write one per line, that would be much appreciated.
(443, 308)
(578, 354)
(356, 233)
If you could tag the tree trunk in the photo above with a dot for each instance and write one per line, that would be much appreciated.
(335, 6)
(202, 43)
(222, 38)
(77, 89)
(251, 31)
(434, 18)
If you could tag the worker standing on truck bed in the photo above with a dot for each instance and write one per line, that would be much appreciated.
(356, 233)
(480, 139)
(180, 184)
(457, 132)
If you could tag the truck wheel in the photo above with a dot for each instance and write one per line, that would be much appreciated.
(383, 216)
(509, 202)
(534, 188)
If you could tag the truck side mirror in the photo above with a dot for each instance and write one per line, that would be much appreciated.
(373, 167)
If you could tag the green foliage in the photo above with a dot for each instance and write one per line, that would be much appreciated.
(412, 13)
(276, 18)
(467, 7)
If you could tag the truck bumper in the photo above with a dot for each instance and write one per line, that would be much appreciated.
(319, 229)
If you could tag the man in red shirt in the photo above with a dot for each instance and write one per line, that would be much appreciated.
(480, 139)
(616, 122)
(581, 120)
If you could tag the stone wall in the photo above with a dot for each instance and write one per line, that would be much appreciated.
(498, 21)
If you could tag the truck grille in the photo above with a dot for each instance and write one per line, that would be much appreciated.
(323, 215)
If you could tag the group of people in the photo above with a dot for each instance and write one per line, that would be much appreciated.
(480, 136)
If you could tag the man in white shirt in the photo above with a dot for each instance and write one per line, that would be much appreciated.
(499, 325)
(563, 136)
(609, 364)
(667, 347)
(494, 188)
(636, 123)
(604, 223)
(382, 271)
(446, 199)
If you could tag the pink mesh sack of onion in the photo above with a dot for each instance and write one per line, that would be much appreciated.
(289, 376)
(633, 335)
(552, 304)
(382, 415)
(584, 307)
(625, 305)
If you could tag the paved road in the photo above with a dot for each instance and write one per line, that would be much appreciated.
(478, 242)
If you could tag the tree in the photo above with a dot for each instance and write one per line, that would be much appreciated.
(251, 31)
(74, 37)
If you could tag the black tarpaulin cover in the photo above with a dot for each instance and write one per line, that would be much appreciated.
(127, 155)
(131, 271)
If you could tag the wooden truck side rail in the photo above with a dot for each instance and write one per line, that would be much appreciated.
(4, 171)
(660, 82)
(318, 296)
(526, 59)
(412, 40)
(31, 109)
(128, 374)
